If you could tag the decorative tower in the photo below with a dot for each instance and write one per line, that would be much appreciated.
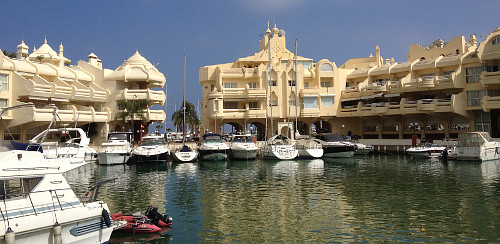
(473, 40)
(22, 50)
(377, 55)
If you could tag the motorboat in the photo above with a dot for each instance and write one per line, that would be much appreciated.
(335, 146)
(426, 150)
(243, 147)
(151, 149)
(309, 148)
(362, 149)
(476, 146)
(39, 206)
(152, 216)
(117, 149)
(69, 143)
(213, 147)
(150, 222)
(279, 147)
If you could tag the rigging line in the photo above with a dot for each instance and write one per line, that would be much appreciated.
(53, 206)
(6, 127)
(5, 204)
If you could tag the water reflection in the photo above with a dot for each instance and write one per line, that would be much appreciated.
(371, 198)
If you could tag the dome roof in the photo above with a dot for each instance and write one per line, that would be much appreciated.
(45, 48)
(22, 45)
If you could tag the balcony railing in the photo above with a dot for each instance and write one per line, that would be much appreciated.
(489, 78)
(157, 97)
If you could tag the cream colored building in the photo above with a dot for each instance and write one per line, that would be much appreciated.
(86, 94)
(443, 89)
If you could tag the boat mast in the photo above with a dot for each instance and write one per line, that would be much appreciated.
(296, 93)
(270, 90)
(165, 122)
(184, 106)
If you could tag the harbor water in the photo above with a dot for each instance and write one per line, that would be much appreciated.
(364, 199)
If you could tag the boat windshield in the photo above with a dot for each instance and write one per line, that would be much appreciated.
(473, 139)
(152, 142)
(118, 136)
(242, 139)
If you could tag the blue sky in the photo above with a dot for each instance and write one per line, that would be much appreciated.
(221, 31)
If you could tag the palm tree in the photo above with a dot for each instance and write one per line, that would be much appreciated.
(158, 127)
(191, 117)
(132, 108)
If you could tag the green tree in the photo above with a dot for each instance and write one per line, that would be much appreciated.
(191, 117)
(158, 127)
(10, 55)
(133, 109)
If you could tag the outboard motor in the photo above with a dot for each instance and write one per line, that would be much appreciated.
(154, 216)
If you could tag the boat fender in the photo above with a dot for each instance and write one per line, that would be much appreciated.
(105, 216)
(57, 233)
(10, 236)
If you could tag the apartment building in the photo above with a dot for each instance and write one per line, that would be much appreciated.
(443, 89)
(86, 94)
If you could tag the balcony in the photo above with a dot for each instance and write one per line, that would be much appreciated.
(351, 92)
(35, 115)
(408, 106)
(255, 93)
(394, 86)
(33, 87)
(255, 113)
(239, 73)
(156, 97)
(489, 78)
(373, 88)
(489, 103)
(310, 112)
(150, 115)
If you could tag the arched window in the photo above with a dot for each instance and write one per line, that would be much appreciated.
(496, 41)
(326, 67)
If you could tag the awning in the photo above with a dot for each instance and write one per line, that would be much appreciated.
(372, 96)
(393, 95)
(350, 99)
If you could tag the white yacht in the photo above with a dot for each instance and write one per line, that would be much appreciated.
(243, 147)
(309, 148)
(426, 150)
(69, 143)
(117, 149)
(213, 147)
(335, 146)
(39, 206)
(151, 149)
(362, 148)
(477, 146)
(279, 147)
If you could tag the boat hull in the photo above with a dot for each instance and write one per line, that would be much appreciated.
(179, 156)
(310, 153)
(213, 154)
(476, 153)
(112, 158)
(281, 152)
(338, 151)
(244, 153)
(150, 158)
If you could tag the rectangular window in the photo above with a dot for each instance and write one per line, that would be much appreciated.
(216, 105)
(291, 83)
(3, 103)
(325, 84)
(230, 85)
(252, 85)
(472, 74)
(273, 83)
(310, 102)
(230, 105)
(4, 82)
(327, 101)
(474, 97)
(253, 105)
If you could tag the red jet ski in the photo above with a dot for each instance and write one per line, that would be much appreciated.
(140, 223)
